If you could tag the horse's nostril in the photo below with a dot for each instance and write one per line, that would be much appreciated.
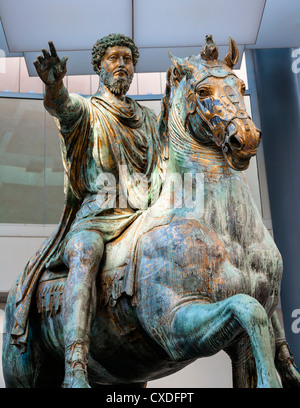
(235, 142)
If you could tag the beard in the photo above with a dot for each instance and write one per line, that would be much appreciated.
(118, 86)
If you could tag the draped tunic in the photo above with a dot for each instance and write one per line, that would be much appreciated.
(113, 168)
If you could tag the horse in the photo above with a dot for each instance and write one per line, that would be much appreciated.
(196, 273)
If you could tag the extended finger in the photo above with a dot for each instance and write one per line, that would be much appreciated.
(46, 53)
(52, 49)
(40, 59)
(64, 61)
(37, 65)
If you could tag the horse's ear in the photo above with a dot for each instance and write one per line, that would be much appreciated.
(232, 55)
(183, 67)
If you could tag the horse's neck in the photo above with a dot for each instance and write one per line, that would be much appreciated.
(218, 197)
(226, 192)
(188, 155)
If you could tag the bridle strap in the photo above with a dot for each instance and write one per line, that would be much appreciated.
(220, 129)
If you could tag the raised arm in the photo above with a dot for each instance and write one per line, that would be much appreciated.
(51, 69)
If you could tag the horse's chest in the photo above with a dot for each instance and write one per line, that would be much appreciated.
(203, 262)
(255, 271)
(252, 263)
(230, 247)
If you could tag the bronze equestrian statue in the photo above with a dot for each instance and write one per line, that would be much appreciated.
(185, 270)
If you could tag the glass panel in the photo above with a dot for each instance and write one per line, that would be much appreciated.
(154, 105)
(9, 75)
(163, 81)
(2, 62)
(21, 161)
(79, 84)
(54, 176)
(149, 83)
(94, 83)
(133, 90)
(29, 84)
(252, 172)
(242, 72)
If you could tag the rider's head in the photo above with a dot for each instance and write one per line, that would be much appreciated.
(113, 59)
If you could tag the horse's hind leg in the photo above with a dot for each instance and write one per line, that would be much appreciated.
(284, 361)
(243, 363)
(199, 330)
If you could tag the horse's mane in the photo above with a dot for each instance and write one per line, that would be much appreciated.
(173, 80)
(162, 123)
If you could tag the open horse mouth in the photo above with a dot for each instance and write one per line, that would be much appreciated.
(238, 150)
(237, 160)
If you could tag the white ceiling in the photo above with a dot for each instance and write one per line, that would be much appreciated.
(156, 26)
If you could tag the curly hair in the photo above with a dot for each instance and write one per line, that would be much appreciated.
(111, 40)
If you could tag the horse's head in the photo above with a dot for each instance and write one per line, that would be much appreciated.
(215, 109)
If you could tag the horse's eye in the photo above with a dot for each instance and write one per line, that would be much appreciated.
(203, 92)
(243, 89)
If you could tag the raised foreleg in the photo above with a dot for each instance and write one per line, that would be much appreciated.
(199, 330)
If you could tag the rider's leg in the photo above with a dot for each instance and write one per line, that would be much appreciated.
(82, 254)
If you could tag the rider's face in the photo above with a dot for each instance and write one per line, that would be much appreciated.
(116, 71)
(117, 61)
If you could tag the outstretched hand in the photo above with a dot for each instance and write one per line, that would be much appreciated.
(50, 68)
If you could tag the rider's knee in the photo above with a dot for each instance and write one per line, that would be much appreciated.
(85, 246)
